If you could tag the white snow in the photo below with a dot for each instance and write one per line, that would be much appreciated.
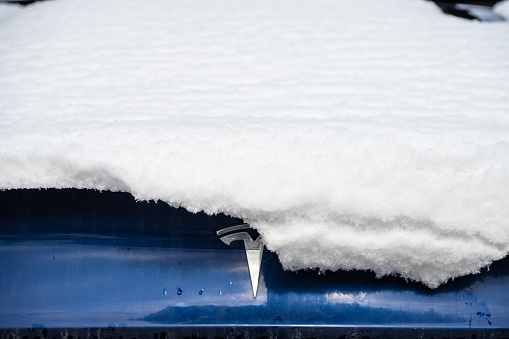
(502, 8)
(360, 134)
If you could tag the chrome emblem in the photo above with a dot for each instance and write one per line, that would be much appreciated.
(254, 250)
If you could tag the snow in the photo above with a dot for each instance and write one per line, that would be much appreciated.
(351, 134)
(502, 8)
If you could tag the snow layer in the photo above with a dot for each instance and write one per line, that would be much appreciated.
(502, 8)
(359, 134)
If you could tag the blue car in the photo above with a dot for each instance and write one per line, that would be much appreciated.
(91, 264)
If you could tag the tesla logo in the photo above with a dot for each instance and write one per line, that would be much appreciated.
(254, 250)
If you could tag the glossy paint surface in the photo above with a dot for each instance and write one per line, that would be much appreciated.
(134, 274)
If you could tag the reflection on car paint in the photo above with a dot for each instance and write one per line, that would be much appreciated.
(59, 281)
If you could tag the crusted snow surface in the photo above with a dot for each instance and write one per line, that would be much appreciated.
(360, 134)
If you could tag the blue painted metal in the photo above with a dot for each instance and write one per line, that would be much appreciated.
(188, 277)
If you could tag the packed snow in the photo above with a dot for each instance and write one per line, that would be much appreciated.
(352, 134)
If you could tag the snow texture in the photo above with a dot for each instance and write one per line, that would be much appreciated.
(360, 134)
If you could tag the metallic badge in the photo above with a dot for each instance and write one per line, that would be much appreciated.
(254, 250)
